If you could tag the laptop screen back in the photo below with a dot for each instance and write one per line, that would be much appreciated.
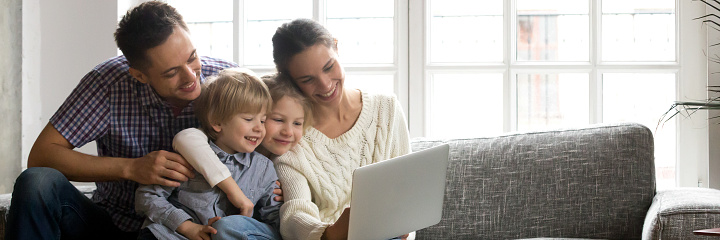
(397, 196)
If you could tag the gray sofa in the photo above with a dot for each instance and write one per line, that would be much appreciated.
(595, 182)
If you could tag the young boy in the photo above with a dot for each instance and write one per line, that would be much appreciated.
(231, 110)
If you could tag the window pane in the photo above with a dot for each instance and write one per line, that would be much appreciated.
(377, 83)
(638, 30)
(210, 24)
(464, 31)
(643, 98)
(482, 113)
(552, 30)
(263, 18)
(364, 29)
(552, 100)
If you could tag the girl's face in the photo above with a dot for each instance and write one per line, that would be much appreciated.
(284, 126)
(243, 133)
(317, 71)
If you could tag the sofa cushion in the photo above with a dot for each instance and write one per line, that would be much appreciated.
(595, 182)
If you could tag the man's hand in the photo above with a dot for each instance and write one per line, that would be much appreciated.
(159, 167)
(339, 229)
(194, 231)
(278, 192)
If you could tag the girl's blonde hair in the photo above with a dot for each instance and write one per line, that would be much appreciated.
(280, 88)
(230, 92)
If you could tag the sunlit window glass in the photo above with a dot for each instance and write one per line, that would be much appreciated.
(368, 82)
(364, 29)
(465, 105)
(210, 24)
(466, 31)
(552, 30)
(643, 98)
(638, 30)
(262, 18)
(548, 101)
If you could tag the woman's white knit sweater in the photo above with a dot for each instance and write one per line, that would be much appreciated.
(316, 174)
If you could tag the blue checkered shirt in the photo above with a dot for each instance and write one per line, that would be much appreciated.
(126, 119)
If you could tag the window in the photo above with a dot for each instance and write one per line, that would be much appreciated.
(521, 65)
(466, 68)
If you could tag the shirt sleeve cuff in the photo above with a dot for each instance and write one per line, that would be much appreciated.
(177, 217)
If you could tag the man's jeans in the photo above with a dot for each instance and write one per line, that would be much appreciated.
(242, 227)
(45, 205)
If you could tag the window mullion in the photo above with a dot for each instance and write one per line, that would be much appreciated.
(238, 30)
(595, 86)
(509, 52)
(417, 39)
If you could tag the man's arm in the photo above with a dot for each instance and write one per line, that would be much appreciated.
(53, 150)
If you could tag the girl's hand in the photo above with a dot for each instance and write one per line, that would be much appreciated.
(194, 231)
(244, 204)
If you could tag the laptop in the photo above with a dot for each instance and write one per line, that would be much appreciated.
(398, 196)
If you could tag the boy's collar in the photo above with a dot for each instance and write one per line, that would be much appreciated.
(224, 157)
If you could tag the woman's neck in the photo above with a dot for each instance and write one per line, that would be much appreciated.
(335, 120)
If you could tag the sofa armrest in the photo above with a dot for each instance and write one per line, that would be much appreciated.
(676, 213)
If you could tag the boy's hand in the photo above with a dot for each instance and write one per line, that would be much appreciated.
(194, 231)
(244, 204)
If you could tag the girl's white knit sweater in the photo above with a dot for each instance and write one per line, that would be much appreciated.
(316, 174)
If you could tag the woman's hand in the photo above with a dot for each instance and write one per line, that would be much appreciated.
(278, 192)
(339, 229)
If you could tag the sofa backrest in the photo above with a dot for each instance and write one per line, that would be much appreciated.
(594, 182)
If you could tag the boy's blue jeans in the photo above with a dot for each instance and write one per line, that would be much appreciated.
(245, 228)
(45, 205)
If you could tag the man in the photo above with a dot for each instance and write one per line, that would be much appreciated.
(132, 106)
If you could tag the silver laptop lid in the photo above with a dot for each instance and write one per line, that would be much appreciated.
(399, 195)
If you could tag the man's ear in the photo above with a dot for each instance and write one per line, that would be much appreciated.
(139, 75)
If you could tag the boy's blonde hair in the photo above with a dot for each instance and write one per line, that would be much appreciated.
(282, 88)
(230, 92)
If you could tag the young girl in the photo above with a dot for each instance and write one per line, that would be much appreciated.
(288, 120)
(232, 108)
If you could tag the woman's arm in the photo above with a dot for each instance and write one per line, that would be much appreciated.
(299, 216)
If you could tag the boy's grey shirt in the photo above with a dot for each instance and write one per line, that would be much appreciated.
(167, 207)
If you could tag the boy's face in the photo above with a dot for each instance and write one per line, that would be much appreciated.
(284, 126)
(243, 133)
(174, 70)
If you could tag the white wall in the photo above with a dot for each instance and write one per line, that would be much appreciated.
(62, 41)
(10, 93)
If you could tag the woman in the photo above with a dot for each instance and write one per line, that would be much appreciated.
(351, 129)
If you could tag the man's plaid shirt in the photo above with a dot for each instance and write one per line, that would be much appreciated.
(127, 119)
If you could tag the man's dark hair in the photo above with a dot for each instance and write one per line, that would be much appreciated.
(144, 27)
